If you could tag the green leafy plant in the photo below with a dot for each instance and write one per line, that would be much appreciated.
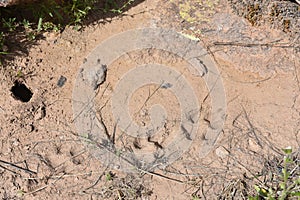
(2, 50)
(40, 23)
(287, 187)
(195, 198)
(51, 15)
(9, 23)
(31, 35)
(52, 12)
(50, 26)
(109, 176)
(112, 6)
(79, 10)
(26, 24)
(1, 40)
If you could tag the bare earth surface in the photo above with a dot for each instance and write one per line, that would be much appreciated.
(258, 60)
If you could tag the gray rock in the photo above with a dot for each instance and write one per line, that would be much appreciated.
(61, 81)
(95, 76)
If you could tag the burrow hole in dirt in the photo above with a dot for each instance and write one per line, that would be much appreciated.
(21, 92)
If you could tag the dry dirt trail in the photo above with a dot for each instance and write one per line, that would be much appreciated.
(246, 84)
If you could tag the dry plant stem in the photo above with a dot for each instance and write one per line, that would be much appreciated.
(113, 151)
(253, 44)
(103, 125)
(252, 129)
(9, 170)
(66, 175)
(244, 167)
(43, 160)
(149, 97)
(74, 156)
(98, 179)
(16, 167)
(92, 100)
(45, 186)
(49, 141)
(160, 176)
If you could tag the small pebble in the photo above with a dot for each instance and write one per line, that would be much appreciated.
(221, 152)
(166, 85)
(61, 81)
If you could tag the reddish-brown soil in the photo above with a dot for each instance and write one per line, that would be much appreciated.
(43, 156)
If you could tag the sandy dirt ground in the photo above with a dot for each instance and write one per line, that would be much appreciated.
(44, 156)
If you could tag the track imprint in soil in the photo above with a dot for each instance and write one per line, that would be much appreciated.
(259, 69)
(154, 99)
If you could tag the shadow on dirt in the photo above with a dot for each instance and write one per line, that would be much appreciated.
(22, 26)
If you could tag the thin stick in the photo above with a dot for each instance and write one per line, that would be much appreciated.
(252, 44)
(98, 179)
(160, 176)
(45, 186)
(74, 156)
(17, 167)
(9, 170)
(149, 97)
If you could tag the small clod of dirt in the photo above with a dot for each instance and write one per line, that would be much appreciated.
(21, 92)
(61, 81)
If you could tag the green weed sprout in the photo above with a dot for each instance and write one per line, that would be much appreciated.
(287, 188)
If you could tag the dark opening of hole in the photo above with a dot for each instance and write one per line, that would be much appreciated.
(21, 92)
